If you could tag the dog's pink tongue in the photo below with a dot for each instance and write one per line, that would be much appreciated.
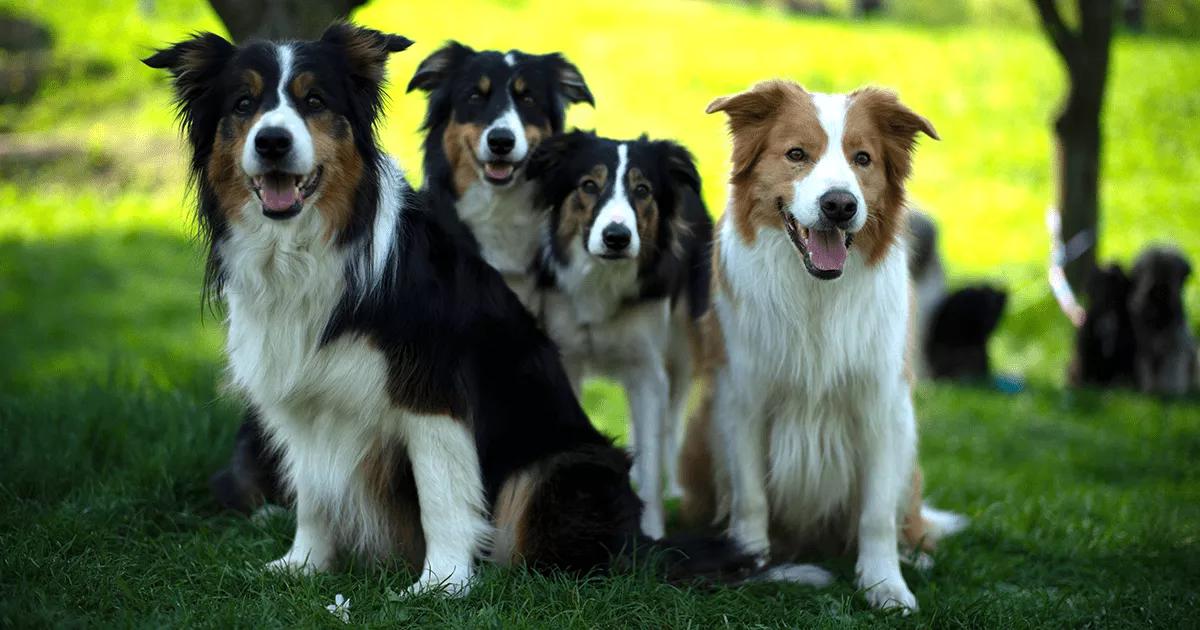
(279, 193)
(827, 249)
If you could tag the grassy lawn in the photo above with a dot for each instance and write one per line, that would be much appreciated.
(1085, 505)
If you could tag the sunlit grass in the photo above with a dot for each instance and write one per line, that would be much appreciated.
(1085, 505)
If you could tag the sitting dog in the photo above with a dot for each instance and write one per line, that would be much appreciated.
(952, 329)
(955, 345)
(1105, 343)
(1165, 355)
(486, 114)
(627, 269)
(420, 411)
(809, 439)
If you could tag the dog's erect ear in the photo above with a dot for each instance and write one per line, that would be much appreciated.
(194, 63)
(680, 164)
(1185, 268)
(437, 66)
(570, 81)
(366, 50)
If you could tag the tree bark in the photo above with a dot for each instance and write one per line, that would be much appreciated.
(280, 19)
(1077, 128)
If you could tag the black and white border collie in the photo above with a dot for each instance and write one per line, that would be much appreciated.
(420, 411)
(627, 270)
(487, 113)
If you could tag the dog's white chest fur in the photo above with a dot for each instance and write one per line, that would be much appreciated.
(508, 229)
(817, 351)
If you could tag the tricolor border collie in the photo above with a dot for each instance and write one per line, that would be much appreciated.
(487, 112)
(421, 412)
(809, 438)
(626, 269)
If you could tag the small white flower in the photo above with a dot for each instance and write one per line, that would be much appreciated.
(340, 608)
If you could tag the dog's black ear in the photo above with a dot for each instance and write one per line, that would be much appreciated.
(570, 81)
(194, 63)
(681, 166)
(366, 50)
(437, 66)
(1185, 268)
(552, 152)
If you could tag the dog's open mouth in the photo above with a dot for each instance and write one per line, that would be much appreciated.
(499, 172)
(824, 250)
(283, 194)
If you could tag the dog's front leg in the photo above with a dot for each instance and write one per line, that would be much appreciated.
(450, 495)
(646, 387)
(741, 424)
(313, 549)
(888, 450)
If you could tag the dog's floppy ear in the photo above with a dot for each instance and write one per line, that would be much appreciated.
(194, 63)
(437, 66)
(681, 166)
(752, 106)
(366, 50)
(749, 116)
(552, 152)
(570, 81)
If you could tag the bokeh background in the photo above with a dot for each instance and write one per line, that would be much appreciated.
(111, 414)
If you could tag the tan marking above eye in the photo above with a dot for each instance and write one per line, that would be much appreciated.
(519, 86)
(598, 176)
(302, 84)
(484, 85)
(254, 82)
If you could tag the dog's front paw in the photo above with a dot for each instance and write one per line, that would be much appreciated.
(453, 581)
(887, 592)
(294, 565)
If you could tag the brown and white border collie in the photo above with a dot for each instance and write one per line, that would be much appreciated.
(626, 270)
(419, 410)
(809, 437)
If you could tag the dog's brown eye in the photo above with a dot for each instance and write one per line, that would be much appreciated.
(475, 97)
(590, 187)
(242, 106)
(862, 158)
(527, 99)
(314, 103)
(796, 154)
(641, 191)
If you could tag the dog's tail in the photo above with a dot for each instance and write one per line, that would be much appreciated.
(939, 523)
(581, 515)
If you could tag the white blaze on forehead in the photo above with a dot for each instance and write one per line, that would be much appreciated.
(510, 59)
(832, 170)
(508, 119)
(617, 210)
(285, 116)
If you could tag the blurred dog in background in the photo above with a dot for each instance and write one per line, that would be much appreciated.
(1165, 355)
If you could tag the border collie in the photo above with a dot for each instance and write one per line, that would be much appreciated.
(419, 410)
(810, 431)
(627, 266)
(487, 112)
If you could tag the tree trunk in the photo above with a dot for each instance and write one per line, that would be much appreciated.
(281, 19)
(1077, 129)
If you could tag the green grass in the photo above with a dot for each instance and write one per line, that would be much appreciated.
(1086, 506)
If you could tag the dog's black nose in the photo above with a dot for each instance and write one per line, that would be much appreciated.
(616, 237)
(501, 141)
(838, 206)
(273, 143)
